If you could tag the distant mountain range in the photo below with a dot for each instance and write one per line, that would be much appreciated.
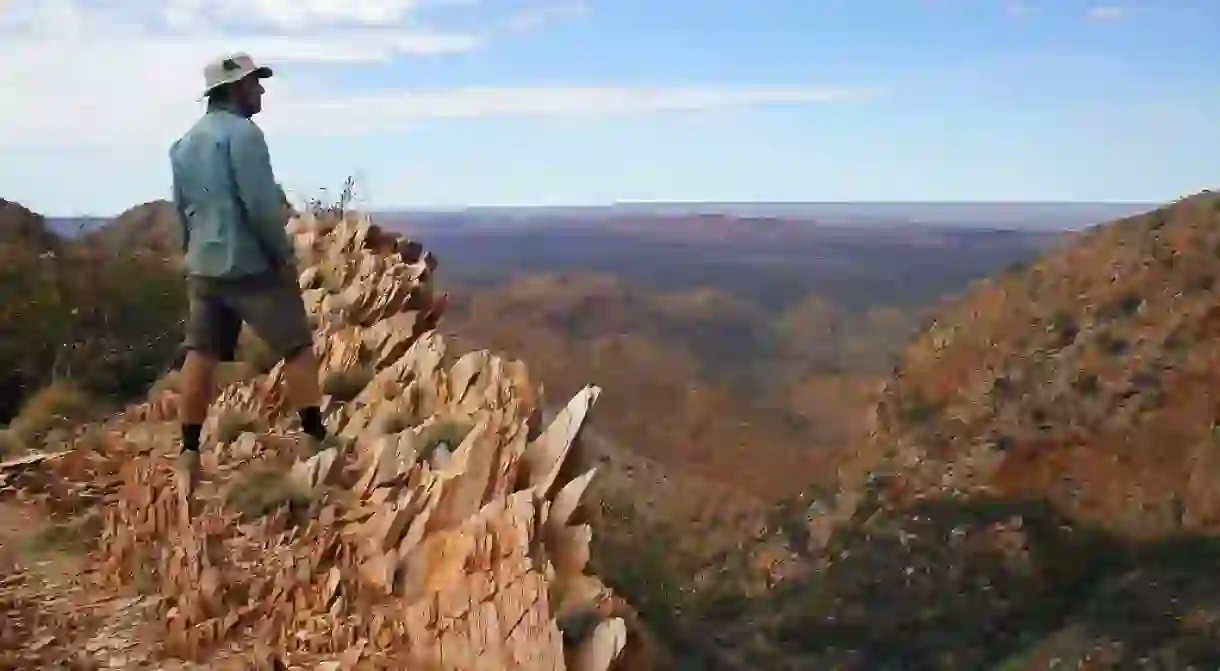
(1054, 216)
(1041, 216)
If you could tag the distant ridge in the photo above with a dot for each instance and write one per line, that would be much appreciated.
(1060, 216)
(1031, 215)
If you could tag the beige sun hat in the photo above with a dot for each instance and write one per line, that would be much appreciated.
(231, 68)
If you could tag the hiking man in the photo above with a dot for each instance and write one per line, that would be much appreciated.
(240, 261)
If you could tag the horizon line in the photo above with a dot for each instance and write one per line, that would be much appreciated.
(697, 203)
(453, 208)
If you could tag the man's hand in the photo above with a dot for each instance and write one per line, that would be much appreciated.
(289, 211)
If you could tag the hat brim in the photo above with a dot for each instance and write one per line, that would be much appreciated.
(261, 72)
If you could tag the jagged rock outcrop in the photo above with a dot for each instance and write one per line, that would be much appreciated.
(446, 533)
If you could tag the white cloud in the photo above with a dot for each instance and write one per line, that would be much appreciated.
(380, 110)
(536, 17)
(1106, 13)
(296, 15)
(122, 73)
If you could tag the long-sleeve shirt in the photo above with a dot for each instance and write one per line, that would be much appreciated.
(229, 204)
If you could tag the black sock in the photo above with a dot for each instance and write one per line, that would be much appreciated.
(311, 421)
(190, 437)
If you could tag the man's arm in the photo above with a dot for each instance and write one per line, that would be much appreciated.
(184, 228)
(259, 193)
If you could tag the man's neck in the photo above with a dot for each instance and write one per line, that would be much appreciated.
(227, 106)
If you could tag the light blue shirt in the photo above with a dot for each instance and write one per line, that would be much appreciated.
(229, 204)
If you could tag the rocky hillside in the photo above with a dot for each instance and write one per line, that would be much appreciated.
(151, 226)
(20, 226)
(1040, 489)
(1087, 378)
(449, 532)
(108, 318)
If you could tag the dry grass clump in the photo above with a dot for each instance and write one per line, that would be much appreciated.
(252, 350)
(227, 373)
(171, 381)
(94, 439)
(230, 424)
(345, 385)
(58, 406)
(263, 489)
(393, 417)
(448, 432)
(11, 444)
(232, 372)
(74, 535)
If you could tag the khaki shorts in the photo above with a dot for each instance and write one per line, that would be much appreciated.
(270, 303)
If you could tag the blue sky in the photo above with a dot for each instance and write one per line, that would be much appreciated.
(454, 102)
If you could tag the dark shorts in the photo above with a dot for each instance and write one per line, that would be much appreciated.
(270, 303)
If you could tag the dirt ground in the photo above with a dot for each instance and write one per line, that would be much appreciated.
(54, 613)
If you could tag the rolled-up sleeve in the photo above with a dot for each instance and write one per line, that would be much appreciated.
(259, 192)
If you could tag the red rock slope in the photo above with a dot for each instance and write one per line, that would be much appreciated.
(1088, 379)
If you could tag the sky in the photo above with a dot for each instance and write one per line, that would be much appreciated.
(444, 103)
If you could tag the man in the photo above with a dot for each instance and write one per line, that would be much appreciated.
(240, 261)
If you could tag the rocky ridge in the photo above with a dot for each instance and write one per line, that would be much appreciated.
(448, 532)
(1082, 379)
(1039, 489)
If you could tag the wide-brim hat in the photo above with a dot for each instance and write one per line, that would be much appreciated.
(229, 69)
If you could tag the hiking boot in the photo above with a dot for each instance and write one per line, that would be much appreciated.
(186, 471)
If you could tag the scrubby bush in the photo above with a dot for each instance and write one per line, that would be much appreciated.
(113, 324)
(59, 405)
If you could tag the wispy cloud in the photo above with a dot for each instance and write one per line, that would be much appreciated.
(1106, 13)
(380, 110)
(64, 60)
(536, 17)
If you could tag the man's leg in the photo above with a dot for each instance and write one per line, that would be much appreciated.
(211, 336)
(304, 391)
(198, 391)
(273, 308)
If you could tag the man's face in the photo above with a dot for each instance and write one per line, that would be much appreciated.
(251, 90)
